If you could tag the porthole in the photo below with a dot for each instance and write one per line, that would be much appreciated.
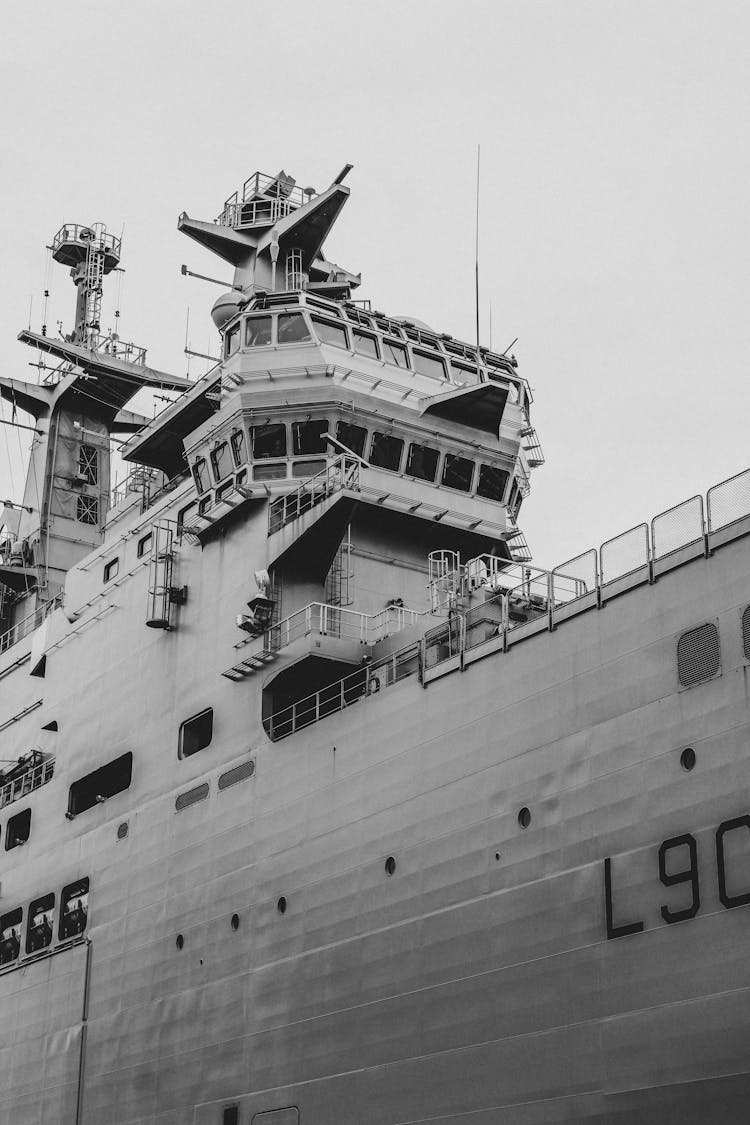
(180, 941)
(524, 817)
(235, 923)
(390, 865)
(497, 855)
(281, 905)
(122, 830)
(687, 758)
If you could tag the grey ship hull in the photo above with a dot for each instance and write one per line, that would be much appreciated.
(477, 984)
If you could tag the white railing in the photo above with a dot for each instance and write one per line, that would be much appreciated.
(32, 778)
(335, 621)
(28, 624)
(340, 473)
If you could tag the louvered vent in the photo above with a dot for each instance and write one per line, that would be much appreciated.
(746, 633)
(190, 796)
(239, 773)
(698, 655)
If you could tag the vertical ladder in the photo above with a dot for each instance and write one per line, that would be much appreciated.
(93, 281)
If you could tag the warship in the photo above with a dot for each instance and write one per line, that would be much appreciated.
(321, 802)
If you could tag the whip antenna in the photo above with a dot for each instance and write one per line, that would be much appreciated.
(476, 261)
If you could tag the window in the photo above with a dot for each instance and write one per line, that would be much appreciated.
(144, 545)
(388, 326)
(87, 509)
(275, 471)
(457, 472)
(111, 569)
(293, 329)
(10, 935)
(97, 786)
(185, 515)
(237, 441)
(223, 492)
(257, 331)
(88, 464)
(240, 478)
(492, 482)
(329, 333)
(307, 437)
(200, 474)
(196, 733)
(221, 462)
(40, 925)
(395, 354)
(463, 372)
(385, 452)
(205, 504)
(269, 441)
(232, 341)
(306, 469)
(422, 462)
(428, 365)
(517, 505)
(353, 437)
(364, 343)
(74, 909)
(18, 830)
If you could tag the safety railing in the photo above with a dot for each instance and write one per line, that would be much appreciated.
(34, 777)
(326, 620)
(28, 624)
(116, 348)
(340, 473)
(728, 501)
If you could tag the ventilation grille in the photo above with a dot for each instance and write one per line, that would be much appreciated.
(239, 773)
(190, 796)
(698, 655)
(746, 633)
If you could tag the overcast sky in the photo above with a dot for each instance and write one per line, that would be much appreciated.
(614, 182)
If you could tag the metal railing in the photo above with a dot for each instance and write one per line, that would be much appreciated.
(340, 473)
(28, 624)
(34, 777)
(115, 348)
(326, 620)
(71, 232)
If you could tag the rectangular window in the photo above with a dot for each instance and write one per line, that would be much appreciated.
(353, 437)
(240, 478)
(429, 365)
(422, 462)
(205, 504)
(111, 569)
(97, 786)
(18, 830)
(293, 329)
(395, 354)
(457, 472)
(385, 452)
(237, 442)
(388, 326)
(223, 492)
(185, 515)
(74, 909)
(329, 333)
(87, 510)
(144, 545)
(221, 462)
(200, 474)
(463, 373)
(305, 469)
(364, 343)
(492, 482)
(88, 464)
(232, 341)
(10, 935)
(196, 733)
(269, 441)
(275, 471)
(41, 923)
(307, 437)
(258, 331)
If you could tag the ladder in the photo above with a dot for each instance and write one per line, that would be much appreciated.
(93, 281)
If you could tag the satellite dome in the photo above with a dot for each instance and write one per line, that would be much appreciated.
(225, 307)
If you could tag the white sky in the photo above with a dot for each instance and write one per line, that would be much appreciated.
(614, 234)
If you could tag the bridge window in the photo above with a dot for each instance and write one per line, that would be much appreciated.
(463, 372)
(364, 343)
(275, 471)
(293, 329)
(18, 830)
(385, 452)
(457, 472)
(329, 333)
(257, 331)
(10, 935)
(144, 545)
(87, 509)
(220, 461)
(492, 482)
(395, 354)
(88, 464)
(41, 922)
(308, 437)
(232, 341)
(196, 733)
(429, 365)
(238, 446)
(111, 569)
(97, 786)
(269, 441)
(422, 462)
(353, 437)
(200, 474)
(74, 909)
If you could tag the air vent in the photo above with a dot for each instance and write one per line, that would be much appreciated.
(746, 633)
(239, 773)
(698, 655)
(191, 796)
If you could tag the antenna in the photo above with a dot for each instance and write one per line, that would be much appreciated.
(476, 259)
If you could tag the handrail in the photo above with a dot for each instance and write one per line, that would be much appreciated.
(32, 778)
(337, 621)
(340, 473)
(28, 624)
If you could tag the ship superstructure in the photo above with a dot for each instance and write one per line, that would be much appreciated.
(322, 802)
